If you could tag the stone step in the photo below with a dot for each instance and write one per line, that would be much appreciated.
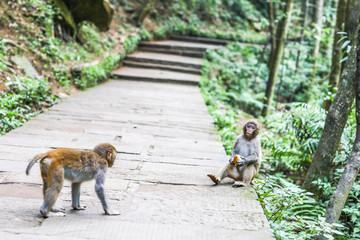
(160, 66)
(155, 75)
(210, 41)
(179, 45)
(166, 59)
(200, 39)
(181, 52)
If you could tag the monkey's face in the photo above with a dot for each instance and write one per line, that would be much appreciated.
(250, 129)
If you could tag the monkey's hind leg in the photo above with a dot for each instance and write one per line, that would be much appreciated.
(44, 179)
(214, 179)
(221, 174)
(75, 193)
(55, 178)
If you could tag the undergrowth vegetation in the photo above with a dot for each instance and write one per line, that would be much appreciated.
(219, 19)
(93, 75)
(292, 212)
(24, 99)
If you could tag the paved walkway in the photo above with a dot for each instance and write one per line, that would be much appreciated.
(166, 145)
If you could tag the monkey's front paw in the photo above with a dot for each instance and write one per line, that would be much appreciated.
(80, 207)
(111, 213)
(213, 178)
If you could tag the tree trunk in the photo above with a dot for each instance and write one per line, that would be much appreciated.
(318, 25)
(338, 113)
(281, 33)
(304, 23)
(336, 53)
(340, 195)
(272, 30)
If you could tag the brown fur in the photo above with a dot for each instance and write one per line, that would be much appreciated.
(76, 166)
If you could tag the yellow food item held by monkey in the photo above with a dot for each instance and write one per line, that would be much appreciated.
(236, 159)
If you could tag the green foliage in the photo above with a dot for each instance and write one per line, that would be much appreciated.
(145, 34)
(89, 37)
(62, 76)
(224, 117)
(42, 13)
(37, 31)
(93, 75)
(352, 212)
(292, 212)
(48, 49)
(225, 122)
(293, 140)
(233, 82)
(24, 100)
(131, 43)
(216, 18)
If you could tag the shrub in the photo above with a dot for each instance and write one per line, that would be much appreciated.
(24, 100)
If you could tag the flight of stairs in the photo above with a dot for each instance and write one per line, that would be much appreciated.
(178, 60)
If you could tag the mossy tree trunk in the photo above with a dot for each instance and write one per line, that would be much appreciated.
(336, 53)
(336, 118)
(278, 52)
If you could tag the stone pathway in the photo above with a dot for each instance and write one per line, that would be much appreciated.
(166, 144)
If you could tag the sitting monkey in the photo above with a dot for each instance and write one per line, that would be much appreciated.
(76, 166)
(245, 160)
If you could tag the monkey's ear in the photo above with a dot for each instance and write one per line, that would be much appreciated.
(109, 155)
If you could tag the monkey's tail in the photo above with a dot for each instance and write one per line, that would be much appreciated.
(38, 157)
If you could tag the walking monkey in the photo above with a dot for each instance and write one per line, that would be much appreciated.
(76, 166)
(245, 159)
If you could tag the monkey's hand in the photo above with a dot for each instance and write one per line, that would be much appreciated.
(236, 159)
(111, 213)
(240, 163)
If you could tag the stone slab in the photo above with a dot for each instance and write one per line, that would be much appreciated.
(155, 75)
(182, 45)
(167, 58)
(135, 64)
